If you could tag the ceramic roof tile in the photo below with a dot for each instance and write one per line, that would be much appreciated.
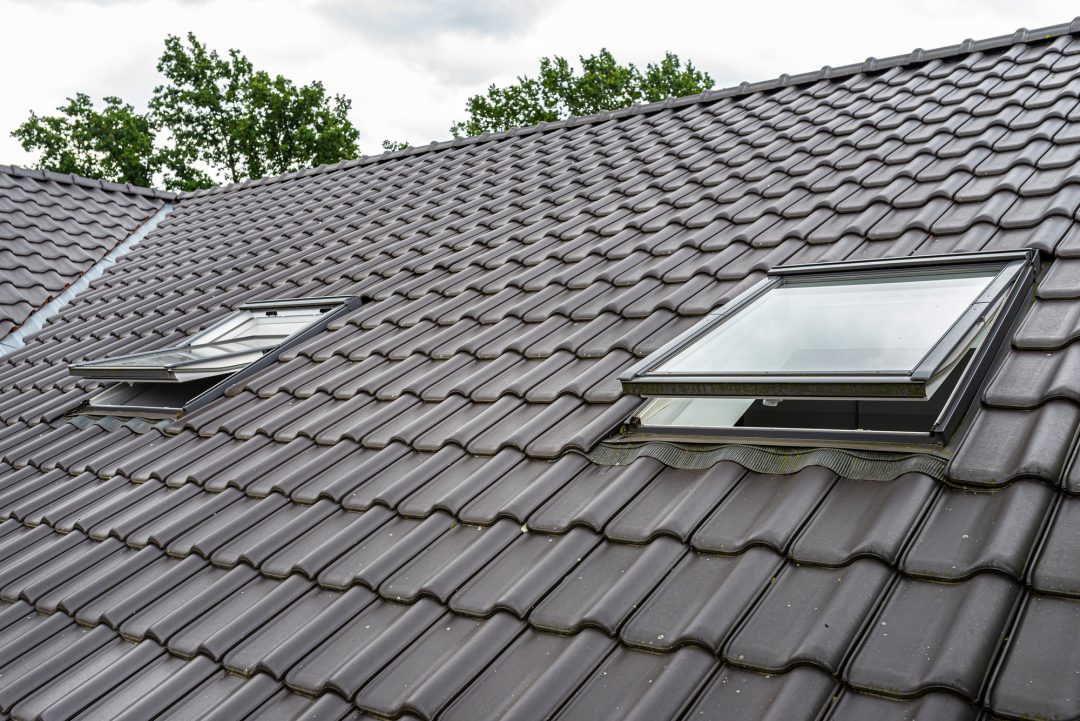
(809, 615)
(764, 509)
(437, 666)
(54, 228)
(933, 635)
(533, 677)
(701, 600)
(606, 586)
(799, 695)
(864, 518)
(523, 573)
(1031, 681)
(945, 706)
(989, 459)
(637, 685)
(674, 503)
(968, 532)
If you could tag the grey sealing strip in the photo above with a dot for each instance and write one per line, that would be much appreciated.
(856, 465)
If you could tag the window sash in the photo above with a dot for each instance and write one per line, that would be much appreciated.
(238, 340)
(919, 383)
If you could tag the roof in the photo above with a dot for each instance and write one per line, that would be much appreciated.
(54, 228)
(399, 518)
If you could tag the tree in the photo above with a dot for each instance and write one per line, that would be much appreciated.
(559, 91)
(213, 120)
(222, 114)
(115, 143)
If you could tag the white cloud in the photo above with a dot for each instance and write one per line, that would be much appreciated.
(414, 20)
(410, 66)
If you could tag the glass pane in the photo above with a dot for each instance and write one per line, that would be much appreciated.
(172, 357)
(878, 324)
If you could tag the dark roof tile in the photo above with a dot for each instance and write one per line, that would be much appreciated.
(606, 586)
(799, 695)
(852, 706)
(674, 503)
(933, 635)
(864, 518)
(809, 615)
(969, 532)
(988, 459)
(533, 677)
(701, 600)
(1040, 667)
(427, 675)
(523, 573)
(635, 685)
(764, 509)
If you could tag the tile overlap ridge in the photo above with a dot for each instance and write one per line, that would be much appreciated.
(72, 179)
(918, 56)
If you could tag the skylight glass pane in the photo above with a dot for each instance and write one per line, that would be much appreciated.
(868, 325)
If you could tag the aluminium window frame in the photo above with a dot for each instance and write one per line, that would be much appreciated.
(98, 404)
(1013, 267)
(1003, 323)
(215, 336)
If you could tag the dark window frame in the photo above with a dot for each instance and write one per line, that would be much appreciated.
(1007, 293)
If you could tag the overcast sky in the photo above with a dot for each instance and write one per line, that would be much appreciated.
(409, 65)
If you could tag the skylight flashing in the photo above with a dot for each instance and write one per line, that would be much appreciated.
(920, 405)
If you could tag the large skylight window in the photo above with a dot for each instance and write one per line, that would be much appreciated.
(892, 347)
(170, 381)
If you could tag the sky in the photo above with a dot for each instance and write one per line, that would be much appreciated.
(409, 65)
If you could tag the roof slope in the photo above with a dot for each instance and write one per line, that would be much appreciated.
(53, 228)
(396, 519)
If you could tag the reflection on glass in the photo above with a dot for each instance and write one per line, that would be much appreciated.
(867, 325)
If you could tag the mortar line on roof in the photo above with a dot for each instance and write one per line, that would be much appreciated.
(1022, 36)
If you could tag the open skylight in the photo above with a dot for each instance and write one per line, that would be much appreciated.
(889, 346)
(169, 381)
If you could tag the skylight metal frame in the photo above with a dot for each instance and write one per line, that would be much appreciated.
(111, 400)
(644, 378)
(217, 336)
(1005, 314)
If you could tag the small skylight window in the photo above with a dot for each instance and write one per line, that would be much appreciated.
(895, 347)
(169, 381)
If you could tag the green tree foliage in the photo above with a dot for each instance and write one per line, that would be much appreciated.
(393, 146)
(115, 143)
(560, 91)
(222, 115)
(213, 120)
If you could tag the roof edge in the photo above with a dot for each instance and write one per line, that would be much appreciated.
(918, 56)
(72, 179)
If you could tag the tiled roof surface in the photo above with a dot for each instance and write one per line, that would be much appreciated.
(396, 520)
(53, 228)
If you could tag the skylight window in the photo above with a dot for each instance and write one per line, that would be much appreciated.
(893, 347)
(169, 381)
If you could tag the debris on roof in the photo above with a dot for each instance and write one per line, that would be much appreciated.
(399, 518)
